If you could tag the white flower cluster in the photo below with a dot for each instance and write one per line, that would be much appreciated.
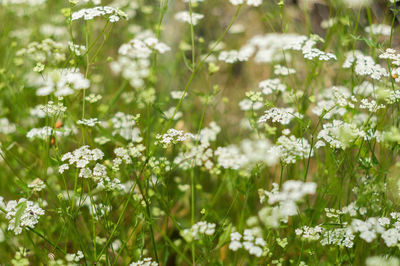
(250, 241)
(292, 148)
(76, 257)
(292, 192)
(125, 126)
(379, 29)
(310, 233)
(134, 58)
(364, 65)
(113, 14)
(332, 101)
(269, 86)
(177, 95)
(230, 157)
(283, 71)
(197, 230)
(173, 136)
(184, 16)
(390, 54)
(234, 56)
(46, 52)
(254, 101)
(356, 3)
(62, 82)
(371, 105)
(52, 109)
(199, 154)
(382, 260)
(306, 46)
(364, 89)
(44, 133)
(20, 2)
(81, 158)
(338, 134)
(368, 230)
(142, 48)
(22, 214)
(37, 185)
(90, 122)
(280, 115)
(126, 155)
(248, 2)
(6, 127)
(77, 49)
(144, 262)
(248, 153)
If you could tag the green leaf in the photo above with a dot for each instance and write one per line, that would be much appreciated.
(21, 209)
(224, 237)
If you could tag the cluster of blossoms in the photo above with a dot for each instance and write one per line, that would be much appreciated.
(332, 102)
(125, 155)
(234, 56)
(22, 214)
(197, 230)
(382, 260)
(81, 158)
(6, 127)
(283, 71)
(271, 48)
(124, 125)
(76, 257)
(306, 46)
(291, 148)
(144, 262)
(61, 82)
(248, 2)
(250, 241)
(368, 230)
(269, 86)
(378, 29)
(338, 134)
(280, 115)
(37, 185)
(19, 2)
(199, 153)
(46, 52)
(173, 136)
(77, 49)
(192, 18)
(90, 122)
(364, 65)
(133, 62)
(286, 201)
(254, 101)
(44, 133)
(51, 109)
(248, 153)
(111, 13)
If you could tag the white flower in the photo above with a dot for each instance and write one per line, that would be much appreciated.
(28, 214)
(248, 2)
(280, 115)
(113, 14)
(144, 262)
(90, 122)
(284, 71)
(173, 136)
(269, 86)
(184, 16)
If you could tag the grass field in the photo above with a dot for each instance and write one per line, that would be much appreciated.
(199, 132)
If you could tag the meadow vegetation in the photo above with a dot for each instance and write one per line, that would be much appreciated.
(199, 132)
